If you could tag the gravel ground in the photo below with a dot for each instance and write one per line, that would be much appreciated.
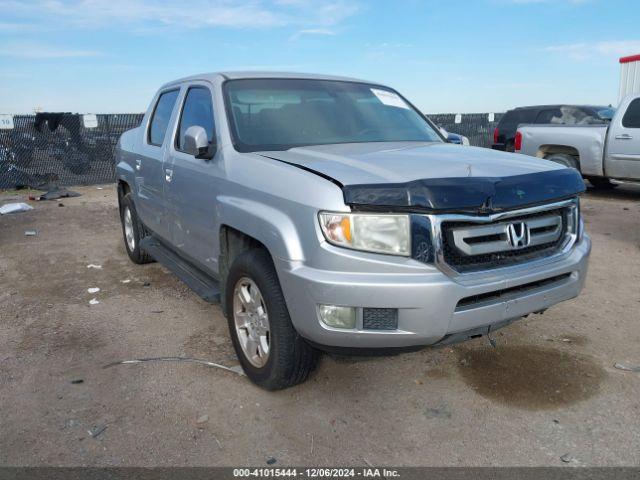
(547, 390)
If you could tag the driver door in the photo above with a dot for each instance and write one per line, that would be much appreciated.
(623, 148)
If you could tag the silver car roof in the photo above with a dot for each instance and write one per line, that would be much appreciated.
(262, 74)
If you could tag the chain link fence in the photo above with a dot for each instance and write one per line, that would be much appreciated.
(63, 149)
(71, 149)
(477, 127)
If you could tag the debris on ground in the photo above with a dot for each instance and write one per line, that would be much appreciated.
(77, 381)
(202, 419)
(146, 284)
(235, 369)
(94, 432)
(54, 193)
(441, 411)
(93, 290)
(271, 461)
(627, 368)
(14, 208)
(567, 458)
(126, 280)
(91, 265)
(30, 233)
(94, 301)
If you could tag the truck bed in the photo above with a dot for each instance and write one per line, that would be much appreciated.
(585, 141)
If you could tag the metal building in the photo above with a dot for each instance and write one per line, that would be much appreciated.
(629, 76)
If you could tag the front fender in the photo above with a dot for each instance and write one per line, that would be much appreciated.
(270, 226)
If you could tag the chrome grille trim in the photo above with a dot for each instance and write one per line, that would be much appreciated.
(539, 230)
(566, 245)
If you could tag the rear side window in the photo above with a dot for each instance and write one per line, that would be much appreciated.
(161, 117)
(513, 118)
(568, 115)
(631, 117)
(197, 110)
(548, 116)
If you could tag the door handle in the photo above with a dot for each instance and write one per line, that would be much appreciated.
(624, 136)
(168, 174)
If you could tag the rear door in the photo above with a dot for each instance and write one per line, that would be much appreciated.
(193, 189)
(623, 144)
(149, 164)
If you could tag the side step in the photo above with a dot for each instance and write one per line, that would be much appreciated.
(198, 281)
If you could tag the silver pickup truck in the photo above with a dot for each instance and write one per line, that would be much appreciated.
(327, 213)
(600, 152)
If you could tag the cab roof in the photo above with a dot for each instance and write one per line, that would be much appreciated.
(262, 74)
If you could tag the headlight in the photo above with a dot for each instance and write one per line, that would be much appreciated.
(384, 233)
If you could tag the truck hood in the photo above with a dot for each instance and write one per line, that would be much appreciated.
(434, 176)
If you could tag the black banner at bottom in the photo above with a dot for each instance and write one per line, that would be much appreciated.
(405, 473)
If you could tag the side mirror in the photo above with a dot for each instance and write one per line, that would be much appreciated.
(454, 138)
(196, 143)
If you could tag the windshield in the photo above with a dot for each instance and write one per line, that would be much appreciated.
(278, 114)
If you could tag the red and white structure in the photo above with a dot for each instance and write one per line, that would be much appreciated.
(629, 76)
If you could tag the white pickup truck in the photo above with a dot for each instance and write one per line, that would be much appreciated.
(602, 153)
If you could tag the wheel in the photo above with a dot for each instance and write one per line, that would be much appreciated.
(601, 183)
(563, 159)
(270, 350)
(133, 231)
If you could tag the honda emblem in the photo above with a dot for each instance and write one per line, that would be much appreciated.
(518, 233)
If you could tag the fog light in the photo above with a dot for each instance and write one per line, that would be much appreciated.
(338, 317)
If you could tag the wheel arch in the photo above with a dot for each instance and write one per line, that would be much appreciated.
(546, 150)
(123, 188)
(233, 242)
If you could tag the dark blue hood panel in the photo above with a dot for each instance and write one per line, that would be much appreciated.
(468, 194)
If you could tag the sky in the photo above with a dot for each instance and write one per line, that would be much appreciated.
(110, 56)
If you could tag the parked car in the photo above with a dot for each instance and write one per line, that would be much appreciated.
(454, 137)
(327, 213)
(599, 152)
(504, 134)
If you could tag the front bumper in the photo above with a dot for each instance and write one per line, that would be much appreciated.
(432, 306)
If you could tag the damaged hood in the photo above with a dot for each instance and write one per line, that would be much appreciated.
(435, 176)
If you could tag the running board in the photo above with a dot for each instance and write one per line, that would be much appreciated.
(197, 280)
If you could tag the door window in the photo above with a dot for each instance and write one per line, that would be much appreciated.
(161, 117)
(631, 117)
(197, 110)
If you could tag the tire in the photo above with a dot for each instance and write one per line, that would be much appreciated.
(287, 359)
(601, 183)
(563, 159)
(129, 218)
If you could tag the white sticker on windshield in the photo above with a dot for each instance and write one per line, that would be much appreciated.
(389, 98)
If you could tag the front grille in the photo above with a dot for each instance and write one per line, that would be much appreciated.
(473, 246)
(379, 318)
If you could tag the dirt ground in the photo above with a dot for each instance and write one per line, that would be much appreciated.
(549, 389)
